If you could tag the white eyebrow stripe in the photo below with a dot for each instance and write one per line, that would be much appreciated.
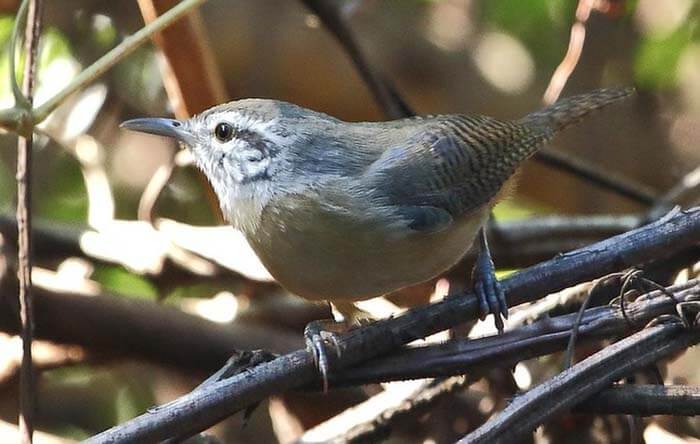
(245, 122)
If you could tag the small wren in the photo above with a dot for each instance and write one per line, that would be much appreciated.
(342, 212)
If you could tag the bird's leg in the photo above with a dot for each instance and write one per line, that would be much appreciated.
(323, 334)
(486, 287)
(319, 337)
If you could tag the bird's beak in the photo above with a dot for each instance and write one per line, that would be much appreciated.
(161, 127)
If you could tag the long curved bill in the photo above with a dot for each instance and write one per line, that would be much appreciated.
(161, 127)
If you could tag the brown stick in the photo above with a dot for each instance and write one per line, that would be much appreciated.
(191, 79)
(573, 52)
(27, 395)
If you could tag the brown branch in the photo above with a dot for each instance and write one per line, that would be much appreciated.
(112, 325)
(192, 80)
(190, 74)
(27, 398)
(210, 404)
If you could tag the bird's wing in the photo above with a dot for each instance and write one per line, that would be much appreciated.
(451, 166)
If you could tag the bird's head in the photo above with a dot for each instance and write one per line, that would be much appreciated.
(240, 146)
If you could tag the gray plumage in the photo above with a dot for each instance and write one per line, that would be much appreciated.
(431, 168)
(347, 211)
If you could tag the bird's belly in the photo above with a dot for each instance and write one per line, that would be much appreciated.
(340, 261)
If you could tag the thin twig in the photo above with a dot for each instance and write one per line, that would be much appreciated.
(573, 52)
(20, 99)
(395, 106)
(18, 119)
(384, 92)
(153, 190)
(689, 182)
(596, 175)
(566, 162)
(569, 354)
(209, 405)
(27, 395)
(107, 61)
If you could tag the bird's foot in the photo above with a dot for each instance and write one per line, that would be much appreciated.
(488, 290)
(320, 336)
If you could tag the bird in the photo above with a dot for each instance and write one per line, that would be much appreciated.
(345, 211)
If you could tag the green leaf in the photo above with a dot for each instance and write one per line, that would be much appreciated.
(60, 187)
(119, 280)
(132, 400)
(54, 47)
(657, 58)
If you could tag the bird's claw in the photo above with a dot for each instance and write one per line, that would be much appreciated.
(318, 339)
(488, 290)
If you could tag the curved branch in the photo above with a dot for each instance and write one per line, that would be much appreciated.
(210, 404)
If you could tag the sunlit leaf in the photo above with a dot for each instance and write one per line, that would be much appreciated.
(55, 48)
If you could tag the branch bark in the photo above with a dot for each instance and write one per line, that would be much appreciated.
(111, 326)
(210, 404)
(579, 382)
(27, 397)
(471, 359)
(477, 356)
(644, 400)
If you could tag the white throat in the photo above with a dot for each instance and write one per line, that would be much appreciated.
(242, 205)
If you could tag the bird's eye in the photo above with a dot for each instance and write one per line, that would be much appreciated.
(224, 131)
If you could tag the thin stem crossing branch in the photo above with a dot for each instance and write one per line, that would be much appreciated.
(27, 396)
(110, 59)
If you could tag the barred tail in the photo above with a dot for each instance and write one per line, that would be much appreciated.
(572, 109)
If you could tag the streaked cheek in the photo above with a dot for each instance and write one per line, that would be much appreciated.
(255, 170)
(253, 156)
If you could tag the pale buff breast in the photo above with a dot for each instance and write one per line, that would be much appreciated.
(323, 252)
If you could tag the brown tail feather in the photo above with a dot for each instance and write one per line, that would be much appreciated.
(570, 110)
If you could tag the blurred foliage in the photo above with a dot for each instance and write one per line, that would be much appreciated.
(62, 184)
(542, 25)
(55, 48)
(256, 43)
(120, 281)
(658, 55)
